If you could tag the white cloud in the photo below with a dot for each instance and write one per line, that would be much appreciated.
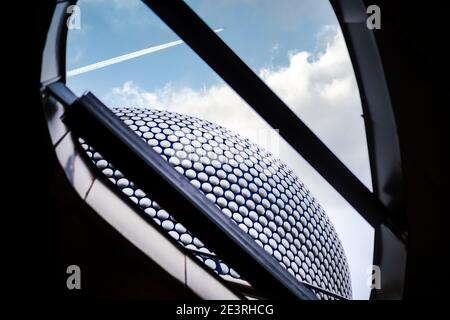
(321, 89)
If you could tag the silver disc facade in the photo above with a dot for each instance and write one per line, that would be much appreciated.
(250, 186)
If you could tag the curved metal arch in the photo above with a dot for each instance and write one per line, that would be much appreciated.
(382, 140)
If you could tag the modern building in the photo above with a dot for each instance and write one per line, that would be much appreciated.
(254, 189)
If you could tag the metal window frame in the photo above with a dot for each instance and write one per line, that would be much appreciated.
(208, 46)
(382, 209)
(89, 117)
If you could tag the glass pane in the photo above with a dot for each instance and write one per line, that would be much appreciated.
(297, 48)
(172, 78)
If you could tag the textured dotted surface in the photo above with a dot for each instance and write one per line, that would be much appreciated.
(251, 187)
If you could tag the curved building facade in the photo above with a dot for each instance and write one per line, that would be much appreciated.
(251, 186)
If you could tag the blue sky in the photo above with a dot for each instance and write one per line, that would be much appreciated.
(294, 45)
(110, 29)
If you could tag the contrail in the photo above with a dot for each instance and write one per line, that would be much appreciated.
(125, 57)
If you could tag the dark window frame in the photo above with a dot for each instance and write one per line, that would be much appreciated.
(271, 278)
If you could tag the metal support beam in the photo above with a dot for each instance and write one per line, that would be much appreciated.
(195, 32)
